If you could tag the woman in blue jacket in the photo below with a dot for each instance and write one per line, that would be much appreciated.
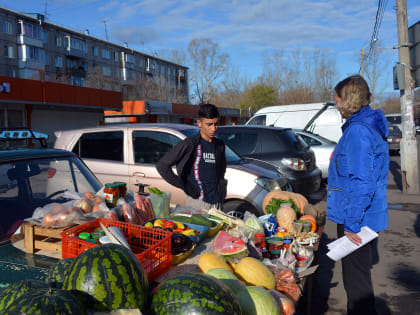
(357, 181)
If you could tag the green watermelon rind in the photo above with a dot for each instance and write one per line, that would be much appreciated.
(194, 293)
(119, 279)
(46, 302)
(58, 272)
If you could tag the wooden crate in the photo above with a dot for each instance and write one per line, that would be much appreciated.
(38, 237)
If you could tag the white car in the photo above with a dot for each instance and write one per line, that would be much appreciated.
(323, 149)
(129, 153)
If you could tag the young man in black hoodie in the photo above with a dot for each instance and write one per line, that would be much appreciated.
(200, 163)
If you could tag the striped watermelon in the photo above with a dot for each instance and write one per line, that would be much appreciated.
(16, 290)
(108, 277)
(46, 302)
(194, 293)
(58, 273)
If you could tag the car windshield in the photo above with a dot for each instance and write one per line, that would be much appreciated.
(394, 119)
(31, 183)
(231, 156)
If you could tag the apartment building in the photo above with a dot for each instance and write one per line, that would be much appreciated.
(36, 49)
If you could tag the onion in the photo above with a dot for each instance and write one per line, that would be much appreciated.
(61, 217)
(84, 205)
(97, 199)
(57, 209)
(99, 207)
(49, 219)
(88, 195)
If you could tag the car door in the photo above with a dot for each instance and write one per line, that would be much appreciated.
(147, 148)
(104, 153)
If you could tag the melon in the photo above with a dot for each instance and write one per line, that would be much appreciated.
(254, 272)
(257, 301)
(227, 277)
(46, 302)
(229, 246)
(18, 289)
(108, 277)
(209, 261)
(58, 273)
(194, 293)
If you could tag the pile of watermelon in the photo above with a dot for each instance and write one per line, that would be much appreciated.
(104, 278)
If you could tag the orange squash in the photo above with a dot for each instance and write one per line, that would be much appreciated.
(278, 194)
(309, 218)
(299, 200)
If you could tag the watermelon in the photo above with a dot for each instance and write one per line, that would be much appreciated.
(257, 301)
(58, 273)
(108, 277)
(17, 289)
(46, 302)
(194, 293)
(229, 246)
(227, 277)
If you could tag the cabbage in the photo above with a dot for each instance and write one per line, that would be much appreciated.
(257, 301)
(255, 224)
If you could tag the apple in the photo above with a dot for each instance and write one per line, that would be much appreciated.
(169, 224)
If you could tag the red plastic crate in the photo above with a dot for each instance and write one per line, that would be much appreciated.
(151, 246)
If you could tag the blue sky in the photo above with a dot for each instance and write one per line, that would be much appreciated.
(245, 29)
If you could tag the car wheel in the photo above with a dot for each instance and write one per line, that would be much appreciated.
(237, 208)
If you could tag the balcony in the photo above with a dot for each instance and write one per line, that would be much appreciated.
(26, 40)
(75, 52)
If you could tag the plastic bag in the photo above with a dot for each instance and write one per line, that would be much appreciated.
(252, 222)
(285, 280)
(286, 305)
(58, 215)
(269, 223)
(160, 204)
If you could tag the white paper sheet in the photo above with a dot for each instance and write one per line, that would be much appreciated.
(343, 246)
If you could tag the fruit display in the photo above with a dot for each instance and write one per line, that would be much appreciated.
(108, 277)
(194, 293)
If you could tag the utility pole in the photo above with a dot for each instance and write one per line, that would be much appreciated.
(409, 165)
(106, 32)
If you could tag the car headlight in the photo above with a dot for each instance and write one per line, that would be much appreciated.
(267, 183)
(294, 164)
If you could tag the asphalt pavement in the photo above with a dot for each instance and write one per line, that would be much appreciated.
(396, 269)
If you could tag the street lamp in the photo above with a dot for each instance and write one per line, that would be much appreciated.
(362, 56)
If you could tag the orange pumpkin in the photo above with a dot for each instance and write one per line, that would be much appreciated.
(299, 200)
(278, 194)
(309, 218)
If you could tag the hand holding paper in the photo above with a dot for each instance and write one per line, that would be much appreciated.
(343, 246)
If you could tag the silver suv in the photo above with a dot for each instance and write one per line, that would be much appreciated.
(129, 153)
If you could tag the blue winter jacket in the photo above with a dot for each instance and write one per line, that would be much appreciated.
(358, 173)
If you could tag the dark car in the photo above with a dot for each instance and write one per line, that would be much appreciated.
(280, 147)
(394, 139)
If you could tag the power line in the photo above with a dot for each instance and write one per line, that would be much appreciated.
(378, 21)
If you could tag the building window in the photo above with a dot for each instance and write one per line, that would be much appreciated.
(95, 51)
(71, 63)
(78, 81)
(59, 61)
(31, 30)
(106, 54)
(35, 53)
(10, 73)
(45, 37)
(59, 41)
(78, 44)
(106, 71)
(115, 56)
(7, 27)
(9, 52)
(141, 62)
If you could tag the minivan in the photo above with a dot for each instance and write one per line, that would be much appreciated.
(129, 153)
(319, 118)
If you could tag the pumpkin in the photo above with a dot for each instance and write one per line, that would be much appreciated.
(311, 219)
(299, 200)
(209, 261)
(278, 194)
(285, 218)
(254, 272)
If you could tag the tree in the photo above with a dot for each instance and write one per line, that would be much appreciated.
(259, 96)
(375, 66)
(208, 63)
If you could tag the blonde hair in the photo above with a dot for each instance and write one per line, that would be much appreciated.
(354, 93)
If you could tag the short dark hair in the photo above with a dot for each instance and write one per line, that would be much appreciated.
(209, 111)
